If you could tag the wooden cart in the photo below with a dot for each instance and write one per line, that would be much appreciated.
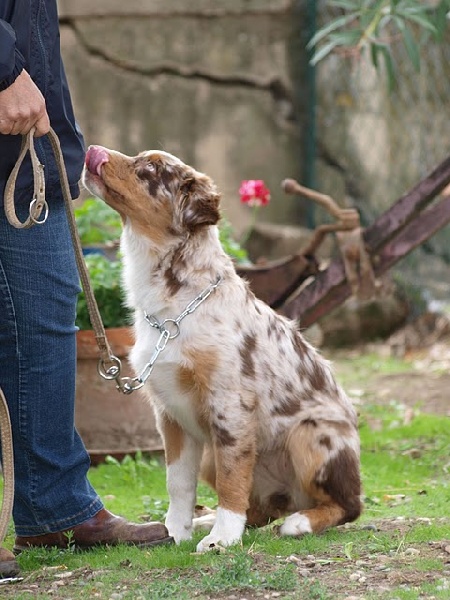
(297, 287)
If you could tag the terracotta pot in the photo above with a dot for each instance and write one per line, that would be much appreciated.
(109, 422)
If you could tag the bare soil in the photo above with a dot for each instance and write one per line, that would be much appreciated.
(425, 385)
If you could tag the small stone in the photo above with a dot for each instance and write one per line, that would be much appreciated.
(412, 551)
(303, 572)
(64, 575)
(413, 453)
(293, 559)
(426, 520)
(369, 527)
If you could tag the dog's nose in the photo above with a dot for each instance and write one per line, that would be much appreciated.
(96, 156)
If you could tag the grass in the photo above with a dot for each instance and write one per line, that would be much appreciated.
(397, 550)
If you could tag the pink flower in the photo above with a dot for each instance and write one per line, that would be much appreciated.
(254, 192)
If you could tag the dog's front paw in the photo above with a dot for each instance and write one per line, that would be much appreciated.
(179, 531)
(227, 530)
(211, 542)
(180, 535)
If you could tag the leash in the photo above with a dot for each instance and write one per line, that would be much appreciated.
(109, 366)
(7, 468)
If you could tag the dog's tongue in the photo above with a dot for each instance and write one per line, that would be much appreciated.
(96, 156)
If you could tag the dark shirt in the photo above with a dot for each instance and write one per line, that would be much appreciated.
(29, 39)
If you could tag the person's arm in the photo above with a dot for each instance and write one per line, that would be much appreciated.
(11, 61)
(22, 105)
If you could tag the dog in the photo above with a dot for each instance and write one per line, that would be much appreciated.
(241, 398)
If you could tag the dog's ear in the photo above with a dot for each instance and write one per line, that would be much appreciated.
(200, 202)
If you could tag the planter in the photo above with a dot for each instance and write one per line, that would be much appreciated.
(109, 422)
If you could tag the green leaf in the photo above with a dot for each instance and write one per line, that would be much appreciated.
(375, 48)
(411, 48)
(324, 51)
(440, 19)
(422, 20)
(347, 38)
(390, 70)
(325, 31)
(348, 547)
(345, 4)
(97, 223)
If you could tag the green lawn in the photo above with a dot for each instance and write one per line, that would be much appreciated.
(399, 549)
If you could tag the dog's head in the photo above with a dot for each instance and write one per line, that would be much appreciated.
(155, 192)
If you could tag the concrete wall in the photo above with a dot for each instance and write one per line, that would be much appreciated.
(222, 84)
(211, 82)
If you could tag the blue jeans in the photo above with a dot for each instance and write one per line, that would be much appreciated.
(38, 292)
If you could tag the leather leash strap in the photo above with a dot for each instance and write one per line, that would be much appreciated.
(7, 468)
(37, 206)
(94, 313)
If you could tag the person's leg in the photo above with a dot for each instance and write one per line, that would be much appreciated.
(38, 292)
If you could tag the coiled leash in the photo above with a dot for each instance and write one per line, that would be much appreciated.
(109, 365)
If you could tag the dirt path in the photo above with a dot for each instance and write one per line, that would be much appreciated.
(424, 385)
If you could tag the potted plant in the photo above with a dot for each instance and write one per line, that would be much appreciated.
(99, 228)
(109, 422)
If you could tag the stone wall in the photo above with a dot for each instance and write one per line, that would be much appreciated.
(211, 82)
(223, 85)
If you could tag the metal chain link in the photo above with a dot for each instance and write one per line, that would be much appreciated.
(130, 384)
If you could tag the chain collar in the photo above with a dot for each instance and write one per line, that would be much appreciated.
(168, 329)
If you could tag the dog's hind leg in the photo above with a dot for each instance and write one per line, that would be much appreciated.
(326, 466)
(183, 455)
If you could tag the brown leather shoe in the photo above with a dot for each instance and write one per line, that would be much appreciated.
(102, 529)
(8, 564)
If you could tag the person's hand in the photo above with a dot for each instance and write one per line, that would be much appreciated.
(22, 106)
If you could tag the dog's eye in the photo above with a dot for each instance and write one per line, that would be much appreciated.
(150, 167)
